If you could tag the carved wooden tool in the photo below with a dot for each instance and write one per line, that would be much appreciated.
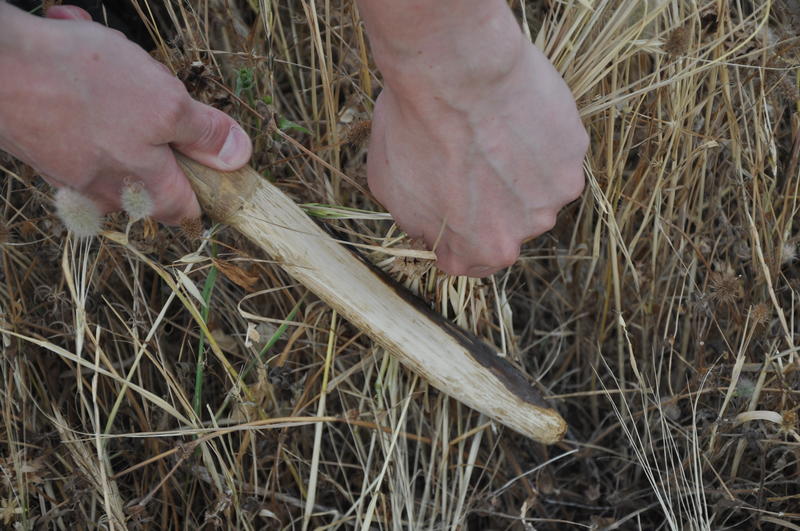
(452, 360)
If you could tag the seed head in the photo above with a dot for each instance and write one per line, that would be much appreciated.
(760, 313)
(358, 132)
(725, 287)
(78, 213)
(192, 228)
(136, 201)
(678, 42)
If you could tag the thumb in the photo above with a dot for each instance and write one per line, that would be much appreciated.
(213, 138)
(67, 13)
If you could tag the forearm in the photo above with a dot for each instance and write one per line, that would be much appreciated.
(18, 37)
(437, 45)
(13, 21)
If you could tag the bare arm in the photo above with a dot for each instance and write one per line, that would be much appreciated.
(477, 143)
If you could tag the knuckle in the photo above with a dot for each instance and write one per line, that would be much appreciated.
(545, 221)
(502, 252)
(583, 142)
(506, 254)
(174, 103)
(574, 184)
(451, 265)
(170, 192)
(209, 134)
(449, 260)
(166, 200)
(570, 171)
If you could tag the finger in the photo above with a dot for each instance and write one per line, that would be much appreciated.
(172, 195)
(410, 226)
(67, 13)
(482, 271)
(539, 222)
(476, 258)
(213, 138)
(454, 264)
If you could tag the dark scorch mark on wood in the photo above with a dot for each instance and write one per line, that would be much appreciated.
(511, 377)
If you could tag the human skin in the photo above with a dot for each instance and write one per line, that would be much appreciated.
(91, 110)
(476, 140)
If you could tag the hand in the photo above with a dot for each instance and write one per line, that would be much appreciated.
(476, 140)
(90, 109)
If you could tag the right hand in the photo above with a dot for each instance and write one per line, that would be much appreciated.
(89, 109)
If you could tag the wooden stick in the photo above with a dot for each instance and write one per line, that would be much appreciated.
(452, 360)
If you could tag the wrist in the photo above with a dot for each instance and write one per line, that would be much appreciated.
(21, 74)
(443, 50)
(17, 31)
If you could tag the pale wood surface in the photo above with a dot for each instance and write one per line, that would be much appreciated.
(452, 360)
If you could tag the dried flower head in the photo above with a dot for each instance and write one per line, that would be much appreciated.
(78, 213)
(192, 228)
(136, 201)
(725, 287)
(760, 313)
(678, 42)
(358, 132)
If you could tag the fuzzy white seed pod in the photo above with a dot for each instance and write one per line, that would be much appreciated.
(136, 201)
(78, 213)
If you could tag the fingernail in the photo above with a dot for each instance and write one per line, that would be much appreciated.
(479, 271)
(236, 149)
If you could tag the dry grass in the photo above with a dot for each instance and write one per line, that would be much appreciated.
(660, 314)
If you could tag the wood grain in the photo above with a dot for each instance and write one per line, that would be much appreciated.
(452, 360)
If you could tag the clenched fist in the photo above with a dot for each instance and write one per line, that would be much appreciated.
(476, 142)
